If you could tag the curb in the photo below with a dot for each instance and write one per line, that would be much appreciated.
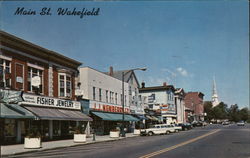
(53, 148)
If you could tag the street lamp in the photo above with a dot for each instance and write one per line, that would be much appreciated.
(123, 106)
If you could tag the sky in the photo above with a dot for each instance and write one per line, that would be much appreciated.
(183, 43)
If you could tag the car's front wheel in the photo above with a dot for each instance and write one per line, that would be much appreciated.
(150, 133)
(167, 132)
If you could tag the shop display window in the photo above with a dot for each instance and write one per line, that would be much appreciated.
(9, 128)
(56, 128)
(72, 127)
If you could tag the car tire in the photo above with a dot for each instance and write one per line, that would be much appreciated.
(167, 132)
(176, 131)
(150, 133)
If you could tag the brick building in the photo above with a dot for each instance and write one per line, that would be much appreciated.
(194, 106)
(47, 80)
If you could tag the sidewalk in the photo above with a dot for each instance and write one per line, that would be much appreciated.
(19, 148)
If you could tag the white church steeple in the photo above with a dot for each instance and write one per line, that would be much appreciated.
(215, 100)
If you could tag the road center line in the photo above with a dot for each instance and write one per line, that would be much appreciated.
(178, 145)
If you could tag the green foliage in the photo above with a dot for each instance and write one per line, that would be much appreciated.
(244, 114)
(80, 129)
(33, 132)
(221, 111)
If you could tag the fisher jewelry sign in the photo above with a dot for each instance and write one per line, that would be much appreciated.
(50, 102)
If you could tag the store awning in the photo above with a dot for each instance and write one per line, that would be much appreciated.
(152, 118)
(155, 118)
(141, 117)
(114, 117)
(58, 114)
(149, 117)
(14, 111)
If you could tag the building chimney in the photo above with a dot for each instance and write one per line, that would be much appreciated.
(164, 83)
(143, 85)
(111, 71)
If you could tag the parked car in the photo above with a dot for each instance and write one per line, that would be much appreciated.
(176, 127)
(197, 124)
(225, 123)
(185, 126)
(241, 123)
(171, 128)
(158, 129)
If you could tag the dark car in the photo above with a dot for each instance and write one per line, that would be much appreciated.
(185, 126)
(197, 124)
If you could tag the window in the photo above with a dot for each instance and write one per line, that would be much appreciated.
(100, 94)
(121, 98)
(115, 98)
(107, 97)
(125, 100)
(9, 127)
(5, 68)
(32, 72)
(110, 96)
(130, 90)
(93, 93)
(65, 87)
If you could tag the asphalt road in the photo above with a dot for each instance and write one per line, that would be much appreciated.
(213, 141)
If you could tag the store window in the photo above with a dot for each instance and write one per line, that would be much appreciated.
(33, 72)
(56, 128)
(65, 87)
(5, 70)
(9, 128)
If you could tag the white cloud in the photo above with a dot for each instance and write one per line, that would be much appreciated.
(182, 71)
(169, 71)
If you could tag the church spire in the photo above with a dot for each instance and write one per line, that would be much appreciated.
(215, 100)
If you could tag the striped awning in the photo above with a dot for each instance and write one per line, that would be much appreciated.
(58, 114)
(114, 117)
(14, 111)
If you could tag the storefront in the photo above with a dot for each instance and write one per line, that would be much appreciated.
(53, 118)
(104, 122)
(56, 118)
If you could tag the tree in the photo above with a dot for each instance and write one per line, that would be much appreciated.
(220, 111)
(233, 113)
(244, 114)
(208, 110)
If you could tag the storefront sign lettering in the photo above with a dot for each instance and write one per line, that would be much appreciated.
(9, 96)
(168, 108)
(49, 102)
(108, 108)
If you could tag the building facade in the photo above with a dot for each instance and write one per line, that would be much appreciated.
(46, 81)
(179, 96)
(159, 103)
(104, 93)
(194, 106)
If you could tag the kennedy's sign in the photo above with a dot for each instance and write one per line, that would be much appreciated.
(36, 100)
(10, 96)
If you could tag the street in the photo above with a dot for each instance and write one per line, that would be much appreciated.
(212, 141)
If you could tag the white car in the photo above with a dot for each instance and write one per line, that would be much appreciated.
(241, 123)
(158, 129)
